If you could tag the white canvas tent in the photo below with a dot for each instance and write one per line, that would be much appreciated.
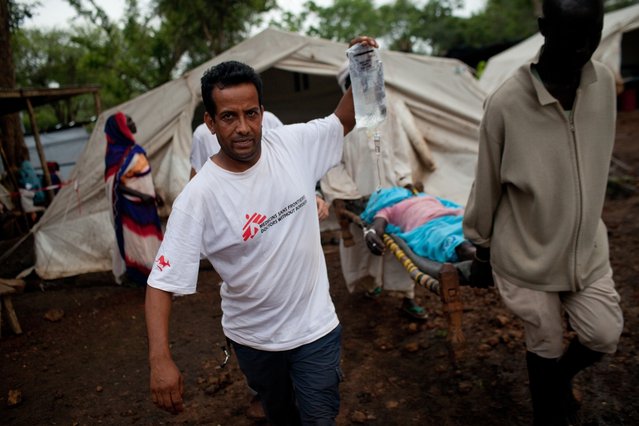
(75, 235)
(616, 24)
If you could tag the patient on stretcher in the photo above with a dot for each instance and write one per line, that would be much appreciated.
(431, 226)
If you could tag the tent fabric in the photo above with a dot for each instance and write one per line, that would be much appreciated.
(616, 23)
(75, 235)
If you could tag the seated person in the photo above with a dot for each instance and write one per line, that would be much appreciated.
(29, 181)
(54, 170)
(431, 226)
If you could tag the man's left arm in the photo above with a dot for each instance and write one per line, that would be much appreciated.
(486, 190)
(483, 201)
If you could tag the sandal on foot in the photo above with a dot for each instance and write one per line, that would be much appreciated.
(412, 309)
(374, 293)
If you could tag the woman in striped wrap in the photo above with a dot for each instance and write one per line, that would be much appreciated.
(129, 189)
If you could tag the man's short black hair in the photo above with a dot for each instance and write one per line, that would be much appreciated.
(227, 74)
(554, 8)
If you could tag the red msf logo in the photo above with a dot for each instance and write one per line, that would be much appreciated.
(163, 263)
(252, 225)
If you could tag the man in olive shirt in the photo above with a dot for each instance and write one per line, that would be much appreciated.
(534, 211)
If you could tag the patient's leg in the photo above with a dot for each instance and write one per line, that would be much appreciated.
(465, 251)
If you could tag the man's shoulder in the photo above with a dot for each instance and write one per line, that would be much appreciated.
(202, 128)
(603, 71)
(318, 124)
(203, 134)
(205, 178)
(515, 85)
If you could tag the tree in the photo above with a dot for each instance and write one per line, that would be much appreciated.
(342, 20)
(401, 25)
(11, 136)
(132, 55)
(204, 29)
(502, 21)
(50, 59)
(618, 4)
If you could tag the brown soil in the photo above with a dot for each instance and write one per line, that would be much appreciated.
(90, 366)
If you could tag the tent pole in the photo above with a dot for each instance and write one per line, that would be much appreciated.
(97, 103)
(43, 160)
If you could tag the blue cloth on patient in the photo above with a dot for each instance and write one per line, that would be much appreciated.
(435, 240)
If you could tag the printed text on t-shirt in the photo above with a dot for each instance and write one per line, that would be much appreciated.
(283, 213)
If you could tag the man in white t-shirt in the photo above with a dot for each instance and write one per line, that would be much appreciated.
(205, 142)
(250, 211)
(203, 147)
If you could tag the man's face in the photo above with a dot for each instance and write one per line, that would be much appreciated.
(131, 124)
(572, 37)
(237, 125)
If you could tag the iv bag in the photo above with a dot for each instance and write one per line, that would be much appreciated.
(367, 80)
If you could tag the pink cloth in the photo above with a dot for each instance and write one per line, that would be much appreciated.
(416, 211)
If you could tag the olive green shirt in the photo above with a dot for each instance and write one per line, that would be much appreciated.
(541, 181)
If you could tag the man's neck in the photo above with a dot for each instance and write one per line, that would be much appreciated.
(560, 84)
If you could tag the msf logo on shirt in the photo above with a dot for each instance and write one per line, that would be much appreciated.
(163, 263)
(252, 225)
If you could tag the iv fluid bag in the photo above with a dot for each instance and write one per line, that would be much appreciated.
(367, 79)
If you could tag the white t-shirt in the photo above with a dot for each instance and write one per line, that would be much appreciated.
(205, 143)
(259, 230)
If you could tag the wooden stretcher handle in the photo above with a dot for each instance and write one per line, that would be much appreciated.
(344, 222)
(451, 299)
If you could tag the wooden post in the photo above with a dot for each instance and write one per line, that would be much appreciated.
(344, 222)
(6, 291)
(451, 299)
(43, 159)
(97, 103)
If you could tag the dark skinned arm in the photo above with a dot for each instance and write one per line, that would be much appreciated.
(373, 236)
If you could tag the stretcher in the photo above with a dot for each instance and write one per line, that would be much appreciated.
(442, 279)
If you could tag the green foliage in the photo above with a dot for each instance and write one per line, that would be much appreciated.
(618, 4)
(19, 11)
(401, 25)
(46, 59)
(501, 21)
(148, 47)
(439, 28)
(203, 29)
(426, 27)
(130, 56)
(343, 20)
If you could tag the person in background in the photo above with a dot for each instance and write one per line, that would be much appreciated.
(534, 211)
(54, 169)
(250, 212)
(350, 183)
(131, 194)
(29, 180)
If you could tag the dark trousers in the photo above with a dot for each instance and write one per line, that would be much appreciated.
(298, 386)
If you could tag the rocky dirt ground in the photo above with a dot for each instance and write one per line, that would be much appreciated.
(82, 357)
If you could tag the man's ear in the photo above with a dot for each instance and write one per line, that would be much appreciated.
(210, 123)
(542, 25)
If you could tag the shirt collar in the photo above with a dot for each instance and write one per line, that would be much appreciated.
(588, 76)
